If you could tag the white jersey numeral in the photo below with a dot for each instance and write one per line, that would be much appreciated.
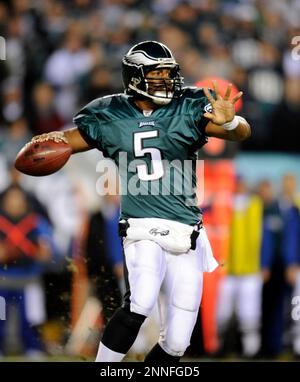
(140, 151)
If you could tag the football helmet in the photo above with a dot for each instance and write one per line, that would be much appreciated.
(143, 58)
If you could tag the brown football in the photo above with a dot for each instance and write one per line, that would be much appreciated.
(42, 158)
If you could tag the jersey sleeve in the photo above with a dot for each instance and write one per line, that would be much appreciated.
(199, 105)
(89, 127)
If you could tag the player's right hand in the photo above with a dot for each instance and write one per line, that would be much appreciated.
(56, 136)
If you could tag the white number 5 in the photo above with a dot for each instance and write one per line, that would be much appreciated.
(139, 151)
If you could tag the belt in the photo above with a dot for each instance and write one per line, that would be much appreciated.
(124, 225)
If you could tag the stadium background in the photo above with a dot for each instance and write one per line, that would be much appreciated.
(62, 54)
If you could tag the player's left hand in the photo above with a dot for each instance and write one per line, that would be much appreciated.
(222, 108)
(56, 136)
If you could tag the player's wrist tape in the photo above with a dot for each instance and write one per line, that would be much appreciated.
(232, 124)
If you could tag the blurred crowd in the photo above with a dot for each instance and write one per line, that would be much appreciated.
(61, 54)
(262, 271)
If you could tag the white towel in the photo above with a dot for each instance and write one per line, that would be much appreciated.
(172, 236)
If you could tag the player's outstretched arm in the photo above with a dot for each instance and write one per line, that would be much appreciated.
(240, 133)
(223, 123)
(70, 136)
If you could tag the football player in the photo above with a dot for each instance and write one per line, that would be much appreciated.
(156, 121)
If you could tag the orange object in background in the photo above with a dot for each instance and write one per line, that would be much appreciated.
(219, 180)
(219, 183)
(222, 86)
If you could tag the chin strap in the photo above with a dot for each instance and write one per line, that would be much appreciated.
(158, 100)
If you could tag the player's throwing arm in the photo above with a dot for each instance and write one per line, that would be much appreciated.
(48, 153)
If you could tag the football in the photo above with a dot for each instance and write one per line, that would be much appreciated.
(42, 158)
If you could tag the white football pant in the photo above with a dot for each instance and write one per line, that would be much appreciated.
(179, 277)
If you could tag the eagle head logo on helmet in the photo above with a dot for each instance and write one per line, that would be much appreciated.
(143, 58)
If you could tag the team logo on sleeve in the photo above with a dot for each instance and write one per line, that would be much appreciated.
(208, 108)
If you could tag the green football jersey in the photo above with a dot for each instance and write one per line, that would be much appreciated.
(155, 154)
